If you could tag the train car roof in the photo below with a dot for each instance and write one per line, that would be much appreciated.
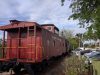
(50, 25)
(18, 24)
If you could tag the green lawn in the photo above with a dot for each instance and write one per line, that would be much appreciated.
(96, 65)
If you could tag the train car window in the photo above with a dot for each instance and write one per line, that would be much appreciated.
(23, 35)
(57, 32)
(13, 33)
(54, 43)
(23, 32)
(49, 28)
(31, 31)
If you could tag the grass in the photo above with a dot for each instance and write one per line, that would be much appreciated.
(69, 65)
(75, 66)
(96, 65)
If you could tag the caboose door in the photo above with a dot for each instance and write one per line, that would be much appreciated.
(22, 43)
(27, 44)
(12, 44)
(31, 43)
(17, 41)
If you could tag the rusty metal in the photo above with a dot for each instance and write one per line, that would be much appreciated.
(21, 24)
(44, 44)
(18, 51)
(35, 40)
(3, 44)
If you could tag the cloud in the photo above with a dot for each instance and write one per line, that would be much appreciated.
(41, 11)
(32, 9)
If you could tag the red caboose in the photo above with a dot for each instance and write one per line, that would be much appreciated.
(29, 42)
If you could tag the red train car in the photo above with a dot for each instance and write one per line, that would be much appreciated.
(29, 42)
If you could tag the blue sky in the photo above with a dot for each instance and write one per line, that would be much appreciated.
(40, 11)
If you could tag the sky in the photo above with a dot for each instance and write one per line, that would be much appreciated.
(40, 11)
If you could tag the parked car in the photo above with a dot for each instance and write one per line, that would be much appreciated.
(97, 56)
(91, 54)
(85, 51)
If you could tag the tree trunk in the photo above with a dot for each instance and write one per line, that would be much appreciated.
(99, 43)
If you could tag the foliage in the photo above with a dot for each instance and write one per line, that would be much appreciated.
(75, 66)
(74, 42)
(96, 65)
(68, 34)
(89, 35)
(62, 1)
(0, 42)
(88, 14)
(79, 36)
(86, 11)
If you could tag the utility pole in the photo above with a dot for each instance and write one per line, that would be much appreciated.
(79, 35)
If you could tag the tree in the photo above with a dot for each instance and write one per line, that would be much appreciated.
(74, 42)
(88, 14)
(68, 34)
(80, 38)
(0, 42)
(86, 11)
(62, 1)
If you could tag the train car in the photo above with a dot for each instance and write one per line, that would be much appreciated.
(29, 43)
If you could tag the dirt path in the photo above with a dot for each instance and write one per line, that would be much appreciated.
(57, 67)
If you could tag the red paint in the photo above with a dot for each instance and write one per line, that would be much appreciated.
(31, 43)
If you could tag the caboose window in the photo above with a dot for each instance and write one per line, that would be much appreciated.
(53, 43)
(31, 31)
(23, 32)
(56, 31)
(13, 33)
(23, 35)
(49, 28)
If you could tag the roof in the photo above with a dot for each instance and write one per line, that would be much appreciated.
(17, 24)
(50, 25)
